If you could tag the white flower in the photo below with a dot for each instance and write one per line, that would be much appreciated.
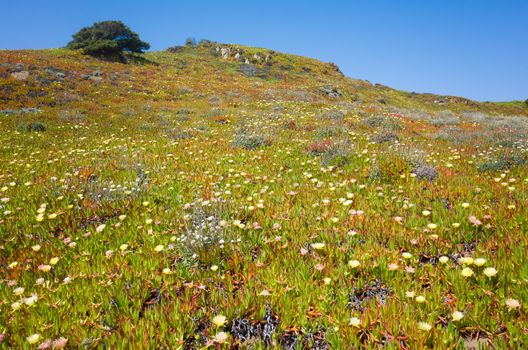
(424, 326)
(100, 228)
(490, 271)
(443, 259)
(479, 261)
(512, 304)
(327, 280)
(18, 291)
(406, 255)
(467, 260)
(317, 246)
(354, 321)
(214, 267)
(457, 316)
(432, 226)
(158, 248)
(16, 305)
(420, 299)
(353, 263)
(409, 294)
(54, 261)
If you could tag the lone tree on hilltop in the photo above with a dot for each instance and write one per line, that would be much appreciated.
(107, 39)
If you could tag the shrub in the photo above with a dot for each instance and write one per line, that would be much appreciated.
(425, 172)
(503, 162)
(32, 127)
(385, 136)
(338, 154)
(107, 39)
(249, 140)
(388, 167)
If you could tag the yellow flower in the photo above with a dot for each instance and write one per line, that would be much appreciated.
(214, 267)
(431, 226)
(54, 261)
(122, 217)
(317, 246)
(32, 339)
(36, 247)
(166, 271)
(407, 255)
(158, 248)
(467, 272)
(123, 247)
(219, 320)
(327, 280)
(15, 306)
(466, 260)
(426, 212)
(420, 299)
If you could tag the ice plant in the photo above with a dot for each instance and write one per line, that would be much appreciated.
(219, 320)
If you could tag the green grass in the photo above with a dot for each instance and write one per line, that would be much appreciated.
(238, 226)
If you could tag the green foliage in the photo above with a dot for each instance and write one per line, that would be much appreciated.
(106, 39)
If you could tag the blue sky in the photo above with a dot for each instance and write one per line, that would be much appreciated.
(472, 48)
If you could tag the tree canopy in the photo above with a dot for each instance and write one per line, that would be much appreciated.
(107, 38)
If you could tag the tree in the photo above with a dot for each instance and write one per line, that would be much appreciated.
(107, 39)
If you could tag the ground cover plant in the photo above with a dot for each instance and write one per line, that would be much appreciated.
(180, 203)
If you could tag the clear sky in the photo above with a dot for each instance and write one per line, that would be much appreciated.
(472, 48)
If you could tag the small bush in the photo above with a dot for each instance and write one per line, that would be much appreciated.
(388, 167)
(338, 154)
(425, 172)
(249, 140)
(503, 162)
(32, 127)
(385, 136)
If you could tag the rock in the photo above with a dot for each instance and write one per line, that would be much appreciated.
(246, 61)
(19, 67)
(257, 56)
(22, 75)
(225, 52)
(331, 91)
(96, 73)
(237, 56)
(85, 76)
(61, 75)
(248, 70)
(96, 78)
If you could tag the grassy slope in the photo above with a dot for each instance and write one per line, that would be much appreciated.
(157, 144)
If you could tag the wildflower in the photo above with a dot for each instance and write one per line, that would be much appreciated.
(123, 247)
(122, 217)
(420, 299)
(158, 248)
(36, 247)
(16, 305)
(490, 271)
(44, 268)
(40, 281)
(18, 291)
(426, 212)
(13, 264)
(443, 259)
(409, 294)
(264, 293)
(479, 261)
(219, 320)
(214, 267)
(327, 280)
(457, 316)
(354, 321)
(406, 255)
(431, 226)
(393, 266)
(148, 221)
(30, 301)
(32, 339)
(455, 224)
(465, 205)
(145, 204)
(66, 280)
(59, 343)
(512, 304)
(166, 271)
(353, 263)
(220, 337)
(100, 228)
(467, 272)
(424, 326)
(466, 260)
(54, 261)
(317, 246)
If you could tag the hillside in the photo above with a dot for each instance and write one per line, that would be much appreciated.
(234, 197)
